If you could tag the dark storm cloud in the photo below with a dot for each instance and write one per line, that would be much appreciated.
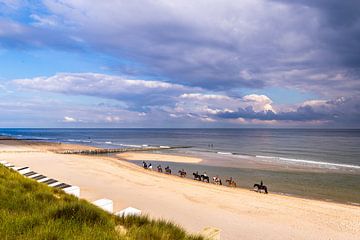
(340, 27)
(218, 45)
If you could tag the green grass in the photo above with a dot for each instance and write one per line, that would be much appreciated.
(30, 210)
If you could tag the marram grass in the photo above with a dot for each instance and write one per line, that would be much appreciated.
(31, 210)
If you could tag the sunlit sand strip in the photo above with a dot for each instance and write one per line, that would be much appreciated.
(158, 157)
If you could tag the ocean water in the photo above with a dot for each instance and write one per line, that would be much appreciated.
(324, 146)
(225, 151)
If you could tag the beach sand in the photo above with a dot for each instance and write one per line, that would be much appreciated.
(158, 157)
(239, 213)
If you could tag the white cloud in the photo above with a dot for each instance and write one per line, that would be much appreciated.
(259, 102)
(84, 83)
(44, 21)
(200, 96)
(133, 91)
(204, 106)
(69, 119)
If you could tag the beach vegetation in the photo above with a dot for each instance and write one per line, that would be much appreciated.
(31, 210)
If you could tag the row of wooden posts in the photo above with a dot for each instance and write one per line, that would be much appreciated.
(118, 150)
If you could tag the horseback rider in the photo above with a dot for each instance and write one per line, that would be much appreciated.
(261, 183)
(159, 168)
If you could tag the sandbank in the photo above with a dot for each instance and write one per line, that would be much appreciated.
(143, 156)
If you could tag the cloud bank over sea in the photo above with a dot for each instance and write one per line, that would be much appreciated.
(181, 63)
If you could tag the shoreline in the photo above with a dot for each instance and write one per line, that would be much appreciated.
(194, 205)
(138, 163)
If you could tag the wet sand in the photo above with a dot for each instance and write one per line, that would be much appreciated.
(240, 213)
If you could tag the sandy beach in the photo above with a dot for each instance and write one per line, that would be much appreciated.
(158, 157)
(239, 213)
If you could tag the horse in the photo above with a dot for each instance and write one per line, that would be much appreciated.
(204, 178)
(231, 182)
(182, 173)
(197, 176)
(159, 168)
(217, 181)
(167, 170)
(260, 188)
(145, 165)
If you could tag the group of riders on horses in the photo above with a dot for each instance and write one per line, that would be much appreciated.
(205, 178)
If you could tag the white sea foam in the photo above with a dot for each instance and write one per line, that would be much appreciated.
(78, 140)
(225, 153)
(327, 164)
(131, 145)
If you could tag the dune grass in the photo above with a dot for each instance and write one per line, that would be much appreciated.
(30, 210)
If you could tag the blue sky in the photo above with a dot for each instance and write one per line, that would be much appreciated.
(250, 63)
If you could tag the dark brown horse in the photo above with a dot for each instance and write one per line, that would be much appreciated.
(167, 170)
(182, 173)
(197, 176)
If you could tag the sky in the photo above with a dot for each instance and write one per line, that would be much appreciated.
(180, 63)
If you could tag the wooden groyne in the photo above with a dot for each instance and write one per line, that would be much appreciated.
(118, 150)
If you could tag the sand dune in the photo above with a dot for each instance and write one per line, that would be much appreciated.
(240, 213)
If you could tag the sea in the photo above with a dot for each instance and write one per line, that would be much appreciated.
(312, 163)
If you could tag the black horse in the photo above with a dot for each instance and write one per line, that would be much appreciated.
(159, 168)
(182, 173)
(145, 166)
(260, 188)
(205, 178)
(197, 176)
(167, 170)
